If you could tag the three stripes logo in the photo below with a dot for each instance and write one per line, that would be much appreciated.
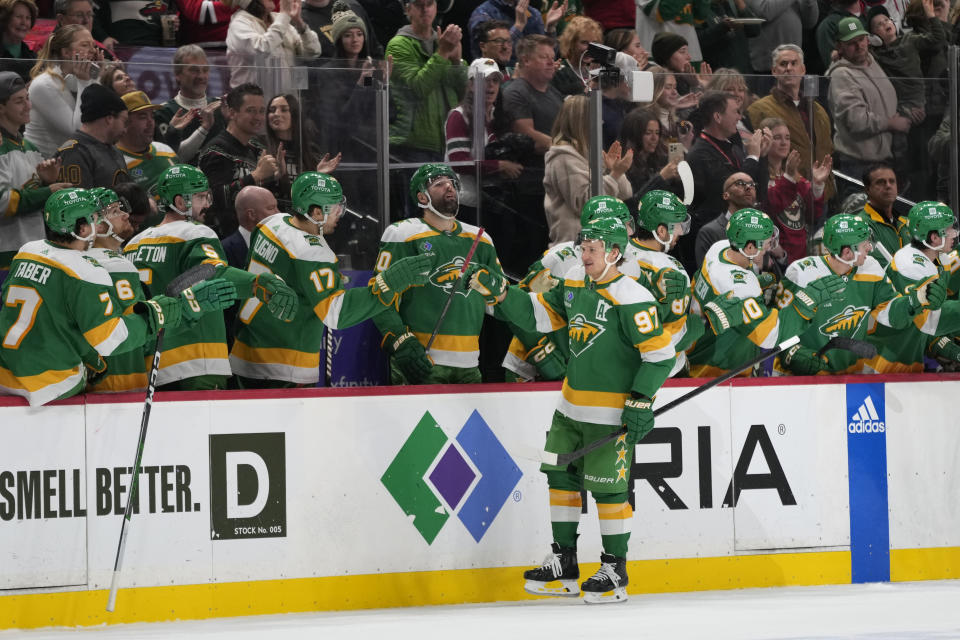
(866, 419)
(434, 476)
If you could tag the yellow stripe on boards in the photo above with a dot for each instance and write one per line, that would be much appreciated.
(939, 563)
(193, 602)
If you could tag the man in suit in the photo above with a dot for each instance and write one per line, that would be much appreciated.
(253, 204)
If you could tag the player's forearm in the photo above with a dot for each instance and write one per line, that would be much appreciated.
(389, 322)
(516, 308)
(651, 376)
(353, 307)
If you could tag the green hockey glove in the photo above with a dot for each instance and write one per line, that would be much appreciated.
(724, 313)
(413, 271)
(488, 284)
(281, 300)
(410, 356)
(670, 285)
(550, 364)
(96, 369)
(944, 348)
(538, 281)
(204, 297)
(768, 284)
(637, 417)
(928, 295)
(808, 299)
(803, 361)
(160, 312)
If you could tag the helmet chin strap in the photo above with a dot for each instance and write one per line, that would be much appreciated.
(430, 207)
(186, 214)
(88, 239)
(607, 267)
(665, 245)
(849, 263)
(943, 243)
(111, 232)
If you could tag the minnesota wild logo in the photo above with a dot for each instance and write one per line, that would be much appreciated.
(739, 277)
(845, 322)
(582, 333)
(446, 275)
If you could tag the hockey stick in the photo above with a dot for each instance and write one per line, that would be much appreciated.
(859, 348)
(563, 459)
(185, 280)
(454, 289)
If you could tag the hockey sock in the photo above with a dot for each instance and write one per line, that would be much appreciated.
(565, 507)
(615, 516)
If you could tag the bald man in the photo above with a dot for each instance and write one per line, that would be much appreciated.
(739, 191)
(253, 204)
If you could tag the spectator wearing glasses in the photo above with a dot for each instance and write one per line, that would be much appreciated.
(17, 17)
(81, 12)
(494, 41)
(524, 19)
(739, 192)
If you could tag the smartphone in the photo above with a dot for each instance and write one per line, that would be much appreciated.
(675, 151)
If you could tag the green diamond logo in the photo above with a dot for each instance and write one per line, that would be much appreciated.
(404, 478)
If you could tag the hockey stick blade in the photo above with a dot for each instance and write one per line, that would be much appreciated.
(454, 289)
(563, 459)
(860, 348)
(190, 277)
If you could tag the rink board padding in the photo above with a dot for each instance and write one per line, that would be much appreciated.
(321, 499)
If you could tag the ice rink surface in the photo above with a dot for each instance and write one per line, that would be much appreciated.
(881, 611)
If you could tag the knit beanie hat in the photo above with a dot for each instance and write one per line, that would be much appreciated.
(97, 102)
(343, 19)
(665, 44)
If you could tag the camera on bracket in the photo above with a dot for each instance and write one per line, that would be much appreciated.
(606, 57)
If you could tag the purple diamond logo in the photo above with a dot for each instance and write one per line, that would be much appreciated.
(452, 476)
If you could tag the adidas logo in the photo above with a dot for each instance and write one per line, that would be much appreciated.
(866, 420)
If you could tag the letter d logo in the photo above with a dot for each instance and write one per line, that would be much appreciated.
(248, 459)
(248, 493)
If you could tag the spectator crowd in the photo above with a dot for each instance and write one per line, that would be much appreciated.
(737, 157)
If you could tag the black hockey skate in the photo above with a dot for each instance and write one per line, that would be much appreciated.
(557, 576)
(609, 583)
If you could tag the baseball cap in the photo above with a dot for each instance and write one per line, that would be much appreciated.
(10, 83)
(138, 101)
(849, 28)
(485, 67)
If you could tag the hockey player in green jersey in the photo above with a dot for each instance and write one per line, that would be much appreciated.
(123, 371)
(620, 355)
(60, 305)
(544, 356)
(195, 356)
(406, 328)
(868, 299)
(663, 219)
(727, 293)
(916, 271)
(269, 352)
